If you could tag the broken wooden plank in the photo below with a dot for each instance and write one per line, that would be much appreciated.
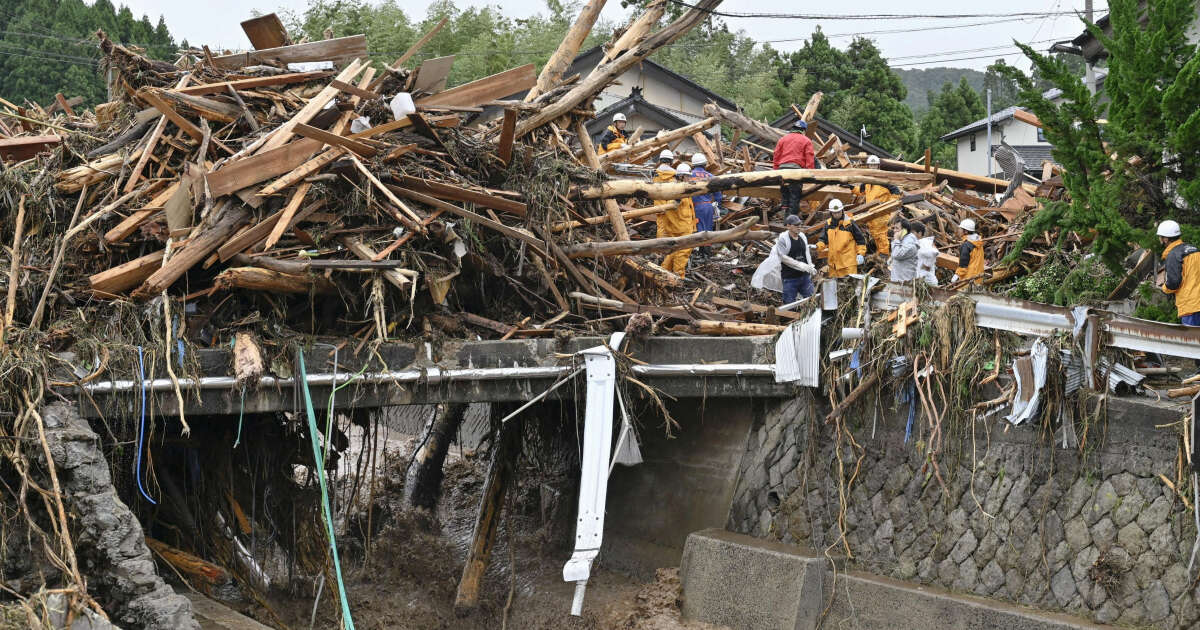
(508, 130)
(253, 82)
(335, 140)
(442, 190)
(432, 74)
(284, 132)
(25, 147)
(285, 215)
(125, 276)
(390, 197)
(302, 171)
(247, 171)
(408, 54)
(400, 278)
(266, 32)
(355, 90)
(535, 244)
(248, 238)
(485, 89)
(153, 97)
(341, 50)
(196, 250)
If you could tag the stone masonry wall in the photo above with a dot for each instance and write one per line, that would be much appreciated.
(1038, 528)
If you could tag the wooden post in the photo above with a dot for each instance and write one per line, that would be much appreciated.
(487, 520)
(423, 486)
(611, 208)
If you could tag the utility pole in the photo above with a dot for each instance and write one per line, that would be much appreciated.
(1089, 78)
(989, 131)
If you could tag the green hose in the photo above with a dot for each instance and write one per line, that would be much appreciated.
(347, 621)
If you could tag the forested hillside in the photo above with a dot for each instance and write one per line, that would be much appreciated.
(921, 81)
(48, 46)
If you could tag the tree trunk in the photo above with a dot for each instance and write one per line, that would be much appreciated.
(667, 244)
(604, 74)
(423, 486)
(610, 207)
(653, 144)
(563, 226)
(709, 327)
(678, 190)
(259, 279)
(567, 50)
(745, 123)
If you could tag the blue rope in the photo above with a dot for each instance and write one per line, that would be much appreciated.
(911, 393)
(137, 470)
(347, 621)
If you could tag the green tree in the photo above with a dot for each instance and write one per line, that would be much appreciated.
(1153, 130)
(953, 107)
(999, 79)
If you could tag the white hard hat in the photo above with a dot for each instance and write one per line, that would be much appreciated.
(619, 118)
(872, 159)
(967, 225)
(666, 155)
(1168, 228)
(683, 169)
(836, 205)
(699, 159)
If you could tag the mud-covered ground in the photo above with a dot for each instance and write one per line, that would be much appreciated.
(404, 575)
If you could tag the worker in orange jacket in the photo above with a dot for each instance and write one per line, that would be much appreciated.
(878, 227)
(678, 222)
(613, 138)
(1183, 273)
(970, 254)
(842, 241)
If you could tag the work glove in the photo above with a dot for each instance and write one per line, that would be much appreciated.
(859, 259)
(953, 278)
(807, 268)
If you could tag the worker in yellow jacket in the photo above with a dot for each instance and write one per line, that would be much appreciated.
(878, 227)
(613, 138)
(678, 222)
(970, 254)
(842, 241)
(1183, 273)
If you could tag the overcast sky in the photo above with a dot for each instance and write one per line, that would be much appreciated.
(971, 43)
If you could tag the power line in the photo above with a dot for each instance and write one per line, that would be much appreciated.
(870, 16)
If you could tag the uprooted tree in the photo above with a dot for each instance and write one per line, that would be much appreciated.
(1142, 166)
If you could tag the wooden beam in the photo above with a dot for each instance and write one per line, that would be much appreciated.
(335, 140)
(314, 106)
(197, 249)
(125, 276)
(285, 215)
(152, 97)
(591, 159)
(485, 89)
(266, 32)
(538, 246)
(507, 135)
(667, 244)
(443, 190)
(355, 90)
(62, 103)
(254, 82)
(271, 281)
(340, 51)
(1027, 117)
(25, 147)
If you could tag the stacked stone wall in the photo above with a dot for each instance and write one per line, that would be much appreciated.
(1017, 519)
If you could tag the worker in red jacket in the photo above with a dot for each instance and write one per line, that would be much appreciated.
(794, 150)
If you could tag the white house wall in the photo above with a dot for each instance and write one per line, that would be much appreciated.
(671, 97)
(1012, 131)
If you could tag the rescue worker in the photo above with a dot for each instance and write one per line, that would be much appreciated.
(970, 254)
(927, 254)
(707, 206)
(843, 242)
(902, 265)
(789, 267)
(794, 150)
(613, 138)
(678, 222)
(1183, 273)
(878, 227)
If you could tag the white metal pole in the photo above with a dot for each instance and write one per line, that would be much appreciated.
(989, 131)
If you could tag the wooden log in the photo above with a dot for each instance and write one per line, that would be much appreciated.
(341, 50)
(487, 520)
(657, 142)
(633, 307)
(135, 131)
(567, 50)
(585, 278)
(605, 73)
(1180, 392)
(650, 273)
(666, 244)
(562, 226)
(678, 190)
(259, 279)
(14, 272)
(863, 387)
(709, 327)
(207, 108)
(197, 249)
(507, 130)
(188, 564)
(423, 484)
(743, 122)
(74, 179)
(485, 89)
(442, 190)
(611, 209)
(956, 178)
(637, 30)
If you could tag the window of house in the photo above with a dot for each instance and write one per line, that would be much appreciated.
(1041, 135)
(972, 142)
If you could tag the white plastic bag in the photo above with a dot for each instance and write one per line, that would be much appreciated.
(402, 105)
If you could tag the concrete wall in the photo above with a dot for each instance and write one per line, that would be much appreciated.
(685, 484)
(1012, 131)
(1018, 519)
